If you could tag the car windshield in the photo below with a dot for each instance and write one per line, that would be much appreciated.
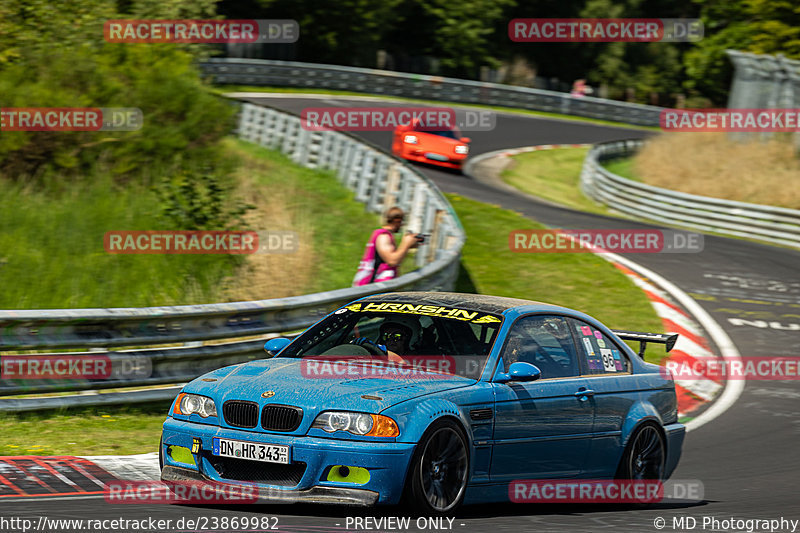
(448, 340)
(450, 134)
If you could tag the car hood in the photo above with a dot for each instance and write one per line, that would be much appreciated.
(291, 384)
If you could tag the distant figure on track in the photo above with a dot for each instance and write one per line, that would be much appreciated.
(382, 256)
(580, 89)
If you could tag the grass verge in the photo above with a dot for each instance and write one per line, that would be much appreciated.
(52, 255)
(335, 226)
(553, 175)
(580, 281)
(112, 430)
(622, 166)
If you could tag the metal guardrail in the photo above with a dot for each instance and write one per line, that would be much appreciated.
(378, 179)
(775, 225)
(311, 75)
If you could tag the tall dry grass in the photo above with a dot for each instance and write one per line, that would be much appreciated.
(711, 164)
(271, 275)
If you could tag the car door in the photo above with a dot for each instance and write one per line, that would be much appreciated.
(607, 371)
(542, 427)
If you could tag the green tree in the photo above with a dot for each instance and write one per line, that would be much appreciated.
(55, 55)
(647, 68)
(460, 35)
(341, 32)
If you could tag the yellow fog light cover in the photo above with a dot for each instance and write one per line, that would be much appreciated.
(348, 474)
(181, 454)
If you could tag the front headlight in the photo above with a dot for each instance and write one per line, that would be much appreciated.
(361, 424)
(410, 139)
(462, 149)
(190, 404)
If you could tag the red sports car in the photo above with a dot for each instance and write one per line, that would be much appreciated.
(442, 147)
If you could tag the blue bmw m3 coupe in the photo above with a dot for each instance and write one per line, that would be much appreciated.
(440, 399)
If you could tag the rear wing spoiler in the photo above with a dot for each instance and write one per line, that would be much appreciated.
(661, 338)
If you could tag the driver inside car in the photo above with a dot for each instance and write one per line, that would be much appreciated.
(401, 336)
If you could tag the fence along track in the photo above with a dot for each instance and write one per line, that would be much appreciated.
(236, 71)
(775, 225)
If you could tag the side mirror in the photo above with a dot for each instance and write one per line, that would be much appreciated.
(519, 371)
(274, 346)
(465, 140)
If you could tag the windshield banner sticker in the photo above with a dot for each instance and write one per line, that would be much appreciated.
(426, 310)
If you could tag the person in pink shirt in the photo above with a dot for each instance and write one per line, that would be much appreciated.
(382, 256)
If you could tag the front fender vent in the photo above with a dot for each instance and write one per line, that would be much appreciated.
(481, 414)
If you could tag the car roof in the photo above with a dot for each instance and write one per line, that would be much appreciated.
(476, 302)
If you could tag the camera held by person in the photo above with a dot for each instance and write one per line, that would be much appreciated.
(420, 237)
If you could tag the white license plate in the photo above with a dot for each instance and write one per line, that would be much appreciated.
(436, 157)
(253, 451)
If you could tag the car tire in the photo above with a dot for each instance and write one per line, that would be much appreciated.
(439, 470)
(161, 453)
(645, 455)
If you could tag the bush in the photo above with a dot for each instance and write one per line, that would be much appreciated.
(181, 119)
(200, 201)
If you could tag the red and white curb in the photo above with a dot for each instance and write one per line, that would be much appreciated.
(506, 153)
(66, 477)
(142, 467)
(692, 345)
(525, 149)
(675, 310)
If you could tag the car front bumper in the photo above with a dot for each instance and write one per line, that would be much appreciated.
(386, 462)
(317, 494)
(454, 161)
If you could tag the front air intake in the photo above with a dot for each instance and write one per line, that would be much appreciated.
(240, 414)
(281, 417)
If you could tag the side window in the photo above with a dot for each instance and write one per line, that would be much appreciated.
(601, 355)
(544, 341)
